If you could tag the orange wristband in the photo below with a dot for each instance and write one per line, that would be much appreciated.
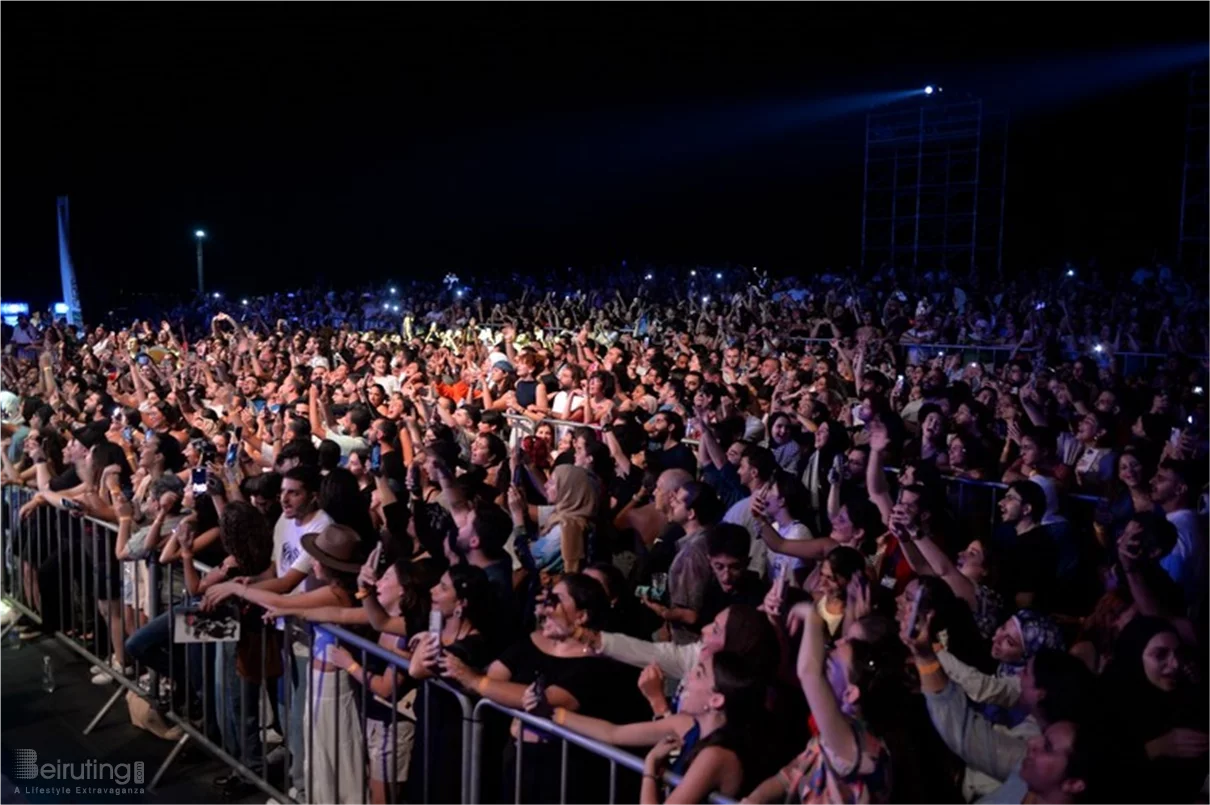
(560, 716)
(483, 683)
(928, 668)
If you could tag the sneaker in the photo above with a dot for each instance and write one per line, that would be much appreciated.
(100, 677)
(293, 793)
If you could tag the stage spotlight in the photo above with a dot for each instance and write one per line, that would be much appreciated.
(928, 90)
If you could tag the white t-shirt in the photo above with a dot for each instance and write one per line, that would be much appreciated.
(565, 402)
(740, 513)
(780, 563)
(288, 553)
(1186, 562)
(390, 383)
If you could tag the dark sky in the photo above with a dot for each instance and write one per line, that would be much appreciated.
(368, 141)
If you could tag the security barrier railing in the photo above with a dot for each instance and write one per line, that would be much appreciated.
(616, 757)
(342, 741)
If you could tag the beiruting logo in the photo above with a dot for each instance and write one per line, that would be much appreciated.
(26, 767)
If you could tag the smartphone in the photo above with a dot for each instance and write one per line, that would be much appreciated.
(435, 623)
(143, 359)
(128, 434)
(274, 408)
(540, 686)
(72, 505)
(376, 459)
(198, 479)
(914, 615)
(258, 405)
(232, 453)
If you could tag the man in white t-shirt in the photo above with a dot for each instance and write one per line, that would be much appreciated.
(756, 469)
(568, 402)
(300, 514)
(1172, 490)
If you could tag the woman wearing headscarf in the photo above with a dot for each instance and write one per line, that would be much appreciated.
(1161, 706)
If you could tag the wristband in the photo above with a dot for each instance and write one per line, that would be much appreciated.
(560, 716)
(353, 668)
(928, 668)
(483, 685)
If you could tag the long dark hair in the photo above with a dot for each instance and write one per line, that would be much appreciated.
(953, 616)
(744, 686)
(246, 535)
(474, 590)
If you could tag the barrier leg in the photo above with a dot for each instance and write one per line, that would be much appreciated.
(172, 756)
(117, 694)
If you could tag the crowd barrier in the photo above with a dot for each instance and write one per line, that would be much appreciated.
(244, 716)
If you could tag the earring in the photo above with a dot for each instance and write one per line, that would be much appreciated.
(458, 612)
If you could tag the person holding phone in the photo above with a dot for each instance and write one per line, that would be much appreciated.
(575, 679)
(855, 693)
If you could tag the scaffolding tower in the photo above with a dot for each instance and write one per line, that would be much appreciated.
(934, 187)
(1191, 247)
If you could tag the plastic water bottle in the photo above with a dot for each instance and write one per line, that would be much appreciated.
(12, 639)
(48, 676)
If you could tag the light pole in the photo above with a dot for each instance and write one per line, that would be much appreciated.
(200, 235)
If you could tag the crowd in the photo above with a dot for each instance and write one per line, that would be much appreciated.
(762, 531)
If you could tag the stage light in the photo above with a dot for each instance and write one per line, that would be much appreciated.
(218, 295)
(1071, 272)
(386, 305)
(392, 290)
(244, 302)
(199, 234)
(61, 308)
(458, 294)
(705, 299)
(693, 272)
(718, 275)
(647, 277)
(928, 90)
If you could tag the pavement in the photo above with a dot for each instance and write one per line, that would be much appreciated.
(52, 725)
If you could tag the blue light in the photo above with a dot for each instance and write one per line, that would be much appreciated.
(458, 293)
(61, 308)
(14, 308)
(718, 275)
(392, 290)
(928, 90)
(218, 295)
(199, 234)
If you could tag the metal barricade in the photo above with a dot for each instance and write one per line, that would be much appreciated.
(615, 756)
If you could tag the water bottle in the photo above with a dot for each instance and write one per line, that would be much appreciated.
(12, 639)
(48, 676)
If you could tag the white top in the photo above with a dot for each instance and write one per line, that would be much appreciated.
(287, 543)
(780, 563)
(390, 383)
(740, 513)
(1186, 562)
(565, 402)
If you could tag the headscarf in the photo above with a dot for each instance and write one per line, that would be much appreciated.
(575, 506)
(1038, 631)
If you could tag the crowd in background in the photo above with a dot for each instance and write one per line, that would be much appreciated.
(792, 539)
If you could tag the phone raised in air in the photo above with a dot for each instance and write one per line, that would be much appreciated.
(198, 478)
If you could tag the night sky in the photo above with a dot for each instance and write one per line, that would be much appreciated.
(354, 143)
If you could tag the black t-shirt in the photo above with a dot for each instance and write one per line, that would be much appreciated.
(67, 479)
(677, 457)
(623, 488)
(392, 467)
(604, 688)
(750, 589)
(1031, 565)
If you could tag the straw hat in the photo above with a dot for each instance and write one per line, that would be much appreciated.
(334, 547)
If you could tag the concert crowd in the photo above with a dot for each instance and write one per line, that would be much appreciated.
(914, 537)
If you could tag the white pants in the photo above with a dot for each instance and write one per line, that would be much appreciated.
(334, 740)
